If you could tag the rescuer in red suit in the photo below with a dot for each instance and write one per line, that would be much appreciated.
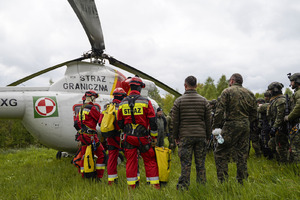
(85, 123)
(113, 140)
(136, 117)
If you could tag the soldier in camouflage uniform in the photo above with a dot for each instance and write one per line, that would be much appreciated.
(172, 144)
(294, 118)
(275, 115)
(239, 106)
(255, 132)
(191, 129)
(264, 127)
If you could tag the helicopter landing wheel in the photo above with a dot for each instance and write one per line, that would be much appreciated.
(58, 155)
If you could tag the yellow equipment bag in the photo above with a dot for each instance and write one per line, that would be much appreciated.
(109, 117)
(163, 157)
(89, 169)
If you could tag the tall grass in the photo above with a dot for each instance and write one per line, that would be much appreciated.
(35, 173)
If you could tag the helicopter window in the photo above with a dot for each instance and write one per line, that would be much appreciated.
(76, 108)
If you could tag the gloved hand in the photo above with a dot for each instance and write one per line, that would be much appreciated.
(154, 142)
(273, 131)
(286, 118)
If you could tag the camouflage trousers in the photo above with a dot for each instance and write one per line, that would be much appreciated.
(236, 141)
(254, 137)
(280, 144)
(188, 146)
(294, 153)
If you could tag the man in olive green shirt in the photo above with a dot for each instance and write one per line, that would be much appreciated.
(275, 115)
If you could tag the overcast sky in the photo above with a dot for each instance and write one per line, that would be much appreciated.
(168, 39)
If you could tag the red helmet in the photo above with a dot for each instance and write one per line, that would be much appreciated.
(119, 92)
(90, 93)
(136, 81)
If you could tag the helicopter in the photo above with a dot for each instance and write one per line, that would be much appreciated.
(48, 112)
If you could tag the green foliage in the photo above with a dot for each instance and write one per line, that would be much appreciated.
(288, 91)
(168, 102)
(156, 96)
(34, 173)
(258, 95)
(14, 135)
(209, 90)
(200, 88)
(222, 84)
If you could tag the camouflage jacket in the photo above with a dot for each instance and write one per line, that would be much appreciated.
(275, 112)
(295, 104)
(263, 109)
(237, 103)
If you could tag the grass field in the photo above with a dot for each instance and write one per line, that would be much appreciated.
(35, 173)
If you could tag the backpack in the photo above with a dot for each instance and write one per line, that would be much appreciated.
(89, 169)
(109, 117)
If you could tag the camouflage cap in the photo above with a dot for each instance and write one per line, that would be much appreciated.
(275, 86)
(260, 100)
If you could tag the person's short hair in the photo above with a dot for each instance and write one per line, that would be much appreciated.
(237, 78)
(191, 81)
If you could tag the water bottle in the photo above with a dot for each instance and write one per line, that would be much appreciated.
(217, 133)
(220, 139)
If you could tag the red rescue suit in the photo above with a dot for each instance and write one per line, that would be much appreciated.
(113, 142)
(90, 117)
(137, 137)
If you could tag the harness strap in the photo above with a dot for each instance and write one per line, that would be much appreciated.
(135, 130)
(131, 103)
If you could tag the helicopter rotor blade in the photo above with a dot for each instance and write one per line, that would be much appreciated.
(87, 14)
(44, 71)
(133, 70)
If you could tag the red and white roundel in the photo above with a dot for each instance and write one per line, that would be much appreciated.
(45, 106)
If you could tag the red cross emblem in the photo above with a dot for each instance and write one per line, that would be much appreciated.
(45, 106)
